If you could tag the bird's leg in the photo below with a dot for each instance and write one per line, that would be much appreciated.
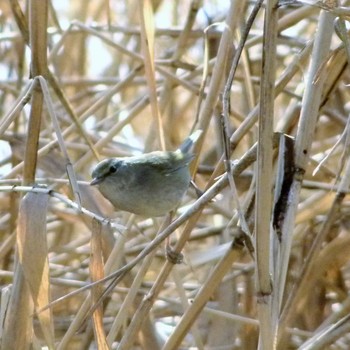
(172, 256)
(198, 191)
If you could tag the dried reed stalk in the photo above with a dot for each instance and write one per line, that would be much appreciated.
(260, 259)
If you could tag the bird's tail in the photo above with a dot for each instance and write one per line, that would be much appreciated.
(187, 146)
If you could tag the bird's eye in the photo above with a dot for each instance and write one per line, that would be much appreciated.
(112, 169)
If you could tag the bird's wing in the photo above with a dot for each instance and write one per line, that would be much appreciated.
(166, 162)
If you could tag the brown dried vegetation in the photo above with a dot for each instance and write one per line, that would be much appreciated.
(262, 256)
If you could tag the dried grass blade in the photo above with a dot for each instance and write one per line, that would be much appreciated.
(203, 295)
(33, 256)
(69, 167)
(147, 43)
(21, 101)
(17, 332)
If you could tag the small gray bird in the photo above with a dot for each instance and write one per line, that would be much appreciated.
(151, 184)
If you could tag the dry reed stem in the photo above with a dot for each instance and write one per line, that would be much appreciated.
(98, 82)
(264, 236)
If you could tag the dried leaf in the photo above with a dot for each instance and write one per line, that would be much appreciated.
(33, 256)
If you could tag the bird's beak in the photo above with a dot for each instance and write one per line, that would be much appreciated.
(96, 181)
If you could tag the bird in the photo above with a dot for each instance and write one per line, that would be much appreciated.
(151, 184)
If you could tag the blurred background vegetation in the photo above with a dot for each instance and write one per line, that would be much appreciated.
(261, 259)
